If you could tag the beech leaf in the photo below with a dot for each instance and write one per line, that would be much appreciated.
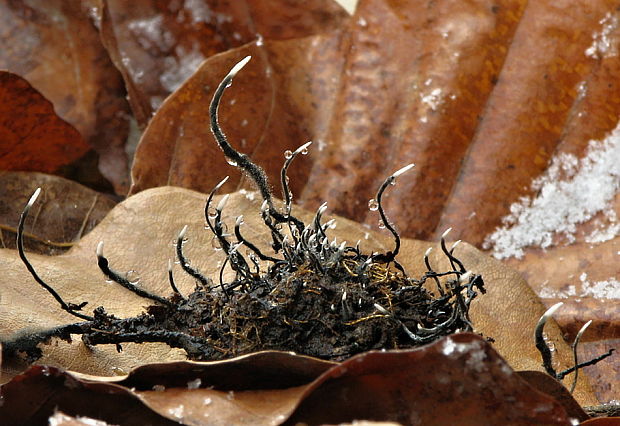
(457, 379)
(508, 312)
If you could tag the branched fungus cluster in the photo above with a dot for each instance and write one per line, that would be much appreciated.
(317, 296)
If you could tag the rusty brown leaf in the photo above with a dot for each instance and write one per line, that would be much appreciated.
(33, 136)
(458, 379)
(66, 213)
(54, 45)
(156, 46)
(139, 233)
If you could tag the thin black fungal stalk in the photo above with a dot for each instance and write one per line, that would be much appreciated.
(541, 344)
(208, 215)
(171, 279)
(286, 192)
(545, 352)
(248, 244)
(69, 307)
(234, 157)
(431, 272)
(103, 264)
(185, 265)
(389, 256)
(447, 252)
(575, 359)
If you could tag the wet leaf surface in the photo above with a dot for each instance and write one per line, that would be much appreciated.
(67, 211)
(432, 385)
(508, 312)
(156, 46)
(54, 45)
(33, 136)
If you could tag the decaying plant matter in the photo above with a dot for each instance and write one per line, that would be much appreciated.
(312, 295)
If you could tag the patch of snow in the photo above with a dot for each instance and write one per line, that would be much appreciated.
(609, 289)
(433, 99)
(199, 11)
(606, 289)
(604, 46)
(570, 192)
(151, 34)
(180, 68)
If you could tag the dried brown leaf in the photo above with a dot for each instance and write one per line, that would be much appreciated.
(54, 45)
(156, 46)
(67, 211)
(458, 379)
(33, 136)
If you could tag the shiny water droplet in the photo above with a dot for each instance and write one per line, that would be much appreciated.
(132, 276)
(109, 281)
(231, 162)
(373, 205)
(288, 154)
(381, 225)
(212, 212)
(304, 151)
(393, 182)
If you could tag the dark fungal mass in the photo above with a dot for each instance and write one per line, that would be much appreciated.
(317, 296)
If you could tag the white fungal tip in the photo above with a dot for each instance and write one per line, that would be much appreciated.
(381, 309)
(183, 232)
(465, 277)
(456, 243)
(235, 248)
(323, 208)
(445, 233)
(238, 66)
(428, 251)
(329, 222)
(100, 249)
(403, 170)
(222, 182)
(239, 220)
(303, 147)
(170, 265)
(33, 198)
(582, 330)
(552, 310)
(222, 203)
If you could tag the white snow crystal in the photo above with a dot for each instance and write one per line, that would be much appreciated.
(570, 192)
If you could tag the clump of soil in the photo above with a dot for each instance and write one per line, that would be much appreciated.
(316, 297)
(353, 306)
